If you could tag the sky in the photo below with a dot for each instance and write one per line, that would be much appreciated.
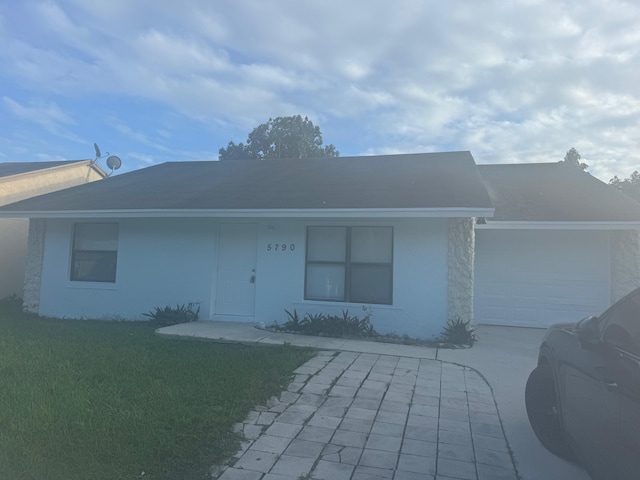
(165, 80)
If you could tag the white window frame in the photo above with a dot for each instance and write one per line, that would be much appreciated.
(349, 266)
(105, 252)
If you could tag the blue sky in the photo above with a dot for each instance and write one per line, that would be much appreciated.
(160, 80)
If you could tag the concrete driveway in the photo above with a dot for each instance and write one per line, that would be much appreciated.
(505, 356)
(376, 373)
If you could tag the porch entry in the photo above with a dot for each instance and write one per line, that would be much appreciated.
(236, 285)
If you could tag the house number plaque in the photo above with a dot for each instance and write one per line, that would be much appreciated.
(280, 247)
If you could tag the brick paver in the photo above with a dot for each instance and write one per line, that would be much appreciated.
(365, 416)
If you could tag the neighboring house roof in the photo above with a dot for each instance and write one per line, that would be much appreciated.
(21, 180)
(553, 192)
(445, 184)
(16, 168)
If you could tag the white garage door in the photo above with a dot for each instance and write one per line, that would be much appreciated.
(538, 278)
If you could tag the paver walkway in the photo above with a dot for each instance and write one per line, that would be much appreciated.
(367, 416)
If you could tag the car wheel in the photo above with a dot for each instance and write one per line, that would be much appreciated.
(541, 401)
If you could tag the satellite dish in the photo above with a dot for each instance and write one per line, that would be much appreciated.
(98, 154)
(114, 162)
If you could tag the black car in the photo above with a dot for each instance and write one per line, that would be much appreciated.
(583, 398)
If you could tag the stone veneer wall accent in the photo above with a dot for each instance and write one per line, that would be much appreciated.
(33, 269)
(625, 262)
(461, 264)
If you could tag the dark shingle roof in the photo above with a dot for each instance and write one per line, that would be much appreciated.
(15, 168)
(430, 180)
(554, 192)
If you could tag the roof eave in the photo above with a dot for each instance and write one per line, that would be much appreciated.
(267, 213)
(563, 225)
(71, 164)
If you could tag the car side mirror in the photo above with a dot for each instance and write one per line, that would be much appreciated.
(588, 332)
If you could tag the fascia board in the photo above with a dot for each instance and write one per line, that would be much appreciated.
(253, 213)
(532, 225)
(66, 166)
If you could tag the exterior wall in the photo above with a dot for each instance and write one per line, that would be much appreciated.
(461, 268)
(419, 276)
(625, 263)
(14, 232)
(168, 261)
(160, 262)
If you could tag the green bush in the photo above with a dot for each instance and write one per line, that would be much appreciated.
(459, 332)
(168, 315)
(320, 324)
(294, 324)
(11, 305)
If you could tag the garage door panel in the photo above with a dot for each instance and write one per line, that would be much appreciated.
(576, 293)
(523, 291)
(540, 304)
(494, 315)
(523, 315)
(517, 283)
(494, 288)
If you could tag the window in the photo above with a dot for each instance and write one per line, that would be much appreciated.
(349, 264)
(95, 252)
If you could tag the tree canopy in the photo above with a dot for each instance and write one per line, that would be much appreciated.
(281, 137)
(629, 186)
(573, 158)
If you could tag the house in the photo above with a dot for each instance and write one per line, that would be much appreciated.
(20, 180)
(403, 235)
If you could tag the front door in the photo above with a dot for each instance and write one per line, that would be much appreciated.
(236, 287)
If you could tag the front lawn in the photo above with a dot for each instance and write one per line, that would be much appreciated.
(101, 400)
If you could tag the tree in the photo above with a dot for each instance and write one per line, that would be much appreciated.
(629, 186)
(573, 158)
(281, 137)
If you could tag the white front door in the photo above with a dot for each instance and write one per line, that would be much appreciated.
(236, 287)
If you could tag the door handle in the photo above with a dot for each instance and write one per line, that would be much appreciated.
(610, 384)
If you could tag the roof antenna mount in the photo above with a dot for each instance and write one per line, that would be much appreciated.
(113, 161)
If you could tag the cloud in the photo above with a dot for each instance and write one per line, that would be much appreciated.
(47, 115)
(179, 54)
(510, 81)
(129, 132)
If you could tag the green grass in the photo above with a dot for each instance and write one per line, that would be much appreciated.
(100, 400)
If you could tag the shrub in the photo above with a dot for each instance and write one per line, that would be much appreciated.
(162, 317)
(11, 305)
(294, 324)
(320, 324)
(317, 324)
(459, 332)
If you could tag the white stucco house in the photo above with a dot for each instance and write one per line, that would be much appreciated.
(412, 237)
(20, 180)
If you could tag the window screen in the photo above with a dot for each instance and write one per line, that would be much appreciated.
(95, 252)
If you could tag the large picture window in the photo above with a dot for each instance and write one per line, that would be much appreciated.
(349, 264)
(95, 252)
